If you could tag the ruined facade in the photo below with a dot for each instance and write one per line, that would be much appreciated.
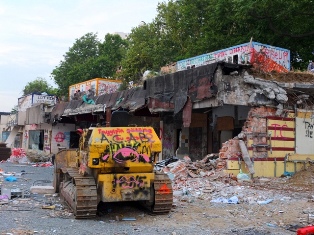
(258, 122)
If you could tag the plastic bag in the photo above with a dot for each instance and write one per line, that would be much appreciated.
(243, 176)
(10, 178)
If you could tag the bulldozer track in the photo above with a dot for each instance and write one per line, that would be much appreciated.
(80, 194)
(163, 194)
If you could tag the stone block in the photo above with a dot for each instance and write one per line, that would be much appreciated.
(42, 189)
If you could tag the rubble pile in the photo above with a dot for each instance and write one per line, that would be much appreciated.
(206, 195)
(19, 155)
(229, 149)
(301, 181)
(38, 156)
(292, 76)
(205, 179)
(182, 169)
(196, 177)
(255, 128)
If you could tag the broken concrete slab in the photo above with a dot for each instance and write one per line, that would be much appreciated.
(246, 156)
(42, 189)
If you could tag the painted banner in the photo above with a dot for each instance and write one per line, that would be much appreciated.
(267, 58)
(98, 86)
(28, 101)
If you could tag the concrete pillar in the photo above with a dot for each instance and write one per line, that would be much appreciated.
(183, 149)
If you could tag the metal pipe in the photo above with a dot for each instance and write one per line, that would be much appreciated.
(239, 162)
(271, 149)
(285, 164)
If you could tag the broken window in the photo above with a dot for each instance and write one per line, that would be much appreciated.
(36, 139)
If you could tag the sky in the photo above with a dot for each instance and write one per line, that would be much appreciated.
(35, 34)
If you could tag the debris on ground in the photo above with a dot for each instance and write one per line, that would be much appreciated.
(292, 76)
(200, 189)
(19, 155)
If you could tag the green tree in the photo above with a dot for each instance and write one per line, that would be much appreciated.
(283, 23)
(186, 28)
(112, 51)
(149, 49)
(15, 109)
(39, 85)
(77, 65)
(89, 58)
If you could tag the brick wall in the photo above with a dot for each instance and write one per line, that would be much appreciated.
(254, 132)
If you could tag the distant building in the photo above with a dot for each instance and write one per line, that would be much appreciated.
(262, 56)
(98, 86)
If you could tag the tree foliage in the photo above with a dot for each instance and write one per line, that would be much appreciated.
(39, 85)
(89, 58)
(186, 28)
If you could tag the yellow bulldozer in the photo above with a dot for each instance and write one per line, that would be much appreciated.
(112, 164)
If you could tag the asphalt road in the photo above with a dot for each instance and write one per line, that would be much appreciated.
(190, 215)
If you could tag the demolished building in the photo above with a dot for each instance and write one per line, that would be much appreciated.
(258, 122)
(255, 117)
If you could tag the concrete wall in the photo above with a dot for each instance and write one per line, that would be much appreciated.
(60, 136)
(168, 140)
(54, 136)
(3, 125)
(45, 127)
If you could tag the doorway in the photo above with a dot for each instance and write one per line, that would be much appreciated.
(36, 139)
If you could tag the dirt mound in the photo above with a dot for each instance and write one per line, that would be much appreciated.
(297, 77)
(303, 179)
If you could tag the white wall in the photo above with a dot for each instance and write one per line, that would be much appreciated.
(3, 124)
(304, 136)
(60, 136)
(47, 130)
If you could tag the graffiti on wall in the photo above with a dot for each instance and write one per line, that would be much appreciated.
(266, 57)
(25, 138)
(308, 129)
(126, 144)
(269, 58)
(278, 130)
(83, 87)
(196, 61)
(46, 140)
(59, 137)
(167, 141)
(107, 87)
(304, 135)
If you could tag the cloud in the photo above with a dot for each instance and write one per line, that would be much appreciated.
(8, 100)
(35, 34)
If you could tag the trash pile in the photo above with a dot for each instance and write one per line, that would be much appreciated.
(38, 156)
(19, 155)
(16, 193)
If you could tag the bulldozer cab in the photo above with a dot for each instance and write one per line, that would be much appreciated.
(119, 118)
